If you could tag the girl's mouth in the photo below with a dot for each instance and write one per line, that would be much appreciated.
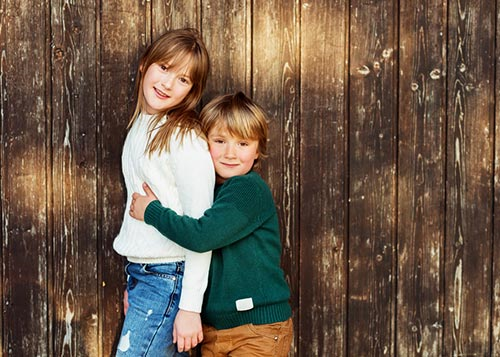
(160, 94)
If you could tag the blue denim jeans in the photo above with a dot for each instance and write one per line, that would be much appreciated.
(153, 295)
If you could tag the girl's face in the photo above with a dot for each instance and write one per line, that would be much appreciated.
(231, 155)
(164, 87)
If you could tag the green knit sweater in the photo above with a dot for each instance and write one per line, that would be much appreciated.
(246, 283)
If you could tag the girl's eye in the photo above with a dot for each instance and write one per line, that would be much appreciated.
(163, 67)
(243, 143)
(184, 80)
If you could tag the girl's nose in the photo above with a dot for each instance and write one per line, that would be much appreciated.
(168, 80)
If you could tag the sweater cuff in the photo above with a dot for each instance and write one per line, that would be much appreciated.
(152, 213)
(191, 299)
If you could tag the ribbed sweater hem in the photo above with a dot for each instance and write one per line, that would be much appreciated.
(152, 212)
(258, 316)
(160, 260)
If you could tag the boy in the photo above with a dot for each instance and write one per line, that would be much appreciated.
(246, 310)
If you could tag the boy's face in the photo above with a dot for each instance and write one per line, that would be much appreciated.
(231, 155)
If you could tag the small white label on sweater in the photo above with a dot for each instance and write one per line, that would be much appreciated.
(244, 304)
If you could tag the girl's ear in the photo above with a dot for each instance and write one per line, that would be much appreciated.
(141, 65)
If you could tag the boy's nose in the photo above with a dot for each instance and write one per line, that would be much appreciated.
(230, 151)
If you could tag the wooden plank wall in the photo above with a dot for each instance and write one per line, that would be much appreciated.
(384, 162)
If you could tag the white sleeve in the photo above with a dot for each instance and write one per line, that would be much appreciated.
(195, 179)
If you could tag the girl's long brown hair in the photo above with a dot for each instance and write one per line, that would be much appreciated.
(177, 48)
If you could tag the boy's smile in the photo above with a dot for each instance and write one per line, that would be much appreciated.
(231, 155)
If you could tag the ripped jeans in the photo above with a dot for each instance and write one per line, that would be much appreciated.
(153, 297)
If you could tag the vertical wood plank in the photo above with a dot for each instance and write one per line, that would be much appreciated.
(23, 179)
(469, 174)
(171, 14)
(372, 186)
(226, 32)
(323, 159)
(124, 35)
(275, 86)
(421, 177)
(75, 286)
(3, 170)
(495, 322)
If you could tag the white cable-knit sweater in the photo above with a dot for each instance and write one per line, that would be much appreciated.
(183, 179)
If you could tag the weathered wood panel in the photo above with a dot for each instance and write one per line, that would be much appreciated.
(421, 177)
(383, 131)
(171, 14)
(275, 85)
(24, 178)
(226, 32)
(372, 177)
(495, 322)
(469, 174)
(123, 38)
(323, 159)
(74, 117)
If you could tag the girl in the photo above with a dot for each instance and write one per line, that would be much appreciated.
(166, 148)
(246, 310)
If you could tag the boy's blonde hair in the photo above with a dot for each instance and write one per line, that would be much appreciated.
(240, 116)
(178, 49)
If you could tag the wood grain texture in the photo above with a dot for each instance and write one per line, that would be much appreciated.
(372, 177)
(24, 184)
(421, 178)
(469, 175)
(384, 160)
(323, 159)
(74, 178)
(495, 321)
(123, 39)
(171, 14)
(275, 86)
(226, 32)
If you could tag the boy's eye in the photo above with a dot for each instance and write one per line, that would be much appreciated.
(217, 141)
(243, 143)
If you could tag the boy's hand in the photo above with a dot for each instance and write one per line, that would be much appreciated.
(140, 202)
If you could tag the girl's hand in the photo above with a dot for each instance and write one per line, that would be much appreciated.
(188, 331)
(125, 302)
(140, 202)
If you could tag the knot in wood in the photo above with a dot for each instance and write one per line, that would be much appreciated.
(377, 68)
(58, 53)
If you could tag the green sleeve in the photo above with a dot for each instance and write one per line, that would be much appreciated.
(239, 209)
